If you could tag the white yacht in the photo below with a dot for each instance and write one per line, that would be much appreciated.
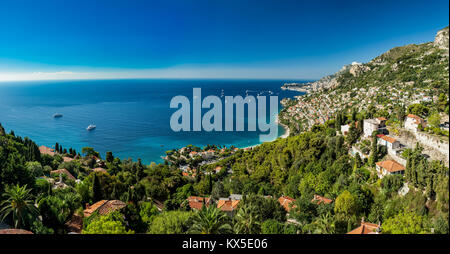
(91, 127)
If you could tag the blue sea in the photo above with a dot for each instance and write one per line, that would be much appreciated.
(132, 116)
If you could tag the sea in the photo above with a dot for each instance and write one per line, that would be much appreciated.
(132, 117)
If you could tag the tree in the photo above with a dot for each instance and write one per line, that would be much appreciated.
(97, 190)
(147, 212)
(171, 222)
(89, 151)
(324, 225)
(210, 220)
(272, 226)
(218, 191)
(107, 224)
(109, 157)
(434, 120)
(345, 204)
(406, 222)
(246, 221)
(18, 203)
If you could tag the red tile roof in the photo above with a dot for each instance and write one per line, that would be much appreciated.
(63, 171)
(75, 224)
(198, 202)
(365, 228)
(99, 170)
(391, 166)
(14, 231)
(320, 199)
(285, 202)
(104, 207)
(227, 205)
(388, 139)
(46, 150)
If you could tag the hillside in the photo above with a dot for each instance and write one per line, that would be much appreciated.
(411, 74)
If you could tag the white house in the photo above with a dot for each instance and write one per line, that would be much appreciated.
(371, 125)
(389, 167)
(390, 142)
(345, 129)
(412, 122)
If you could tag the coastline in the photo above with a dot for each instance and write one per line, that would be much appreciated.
(286, 134)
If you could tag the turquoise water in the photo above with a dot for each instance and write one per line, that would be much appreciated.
(132, 116)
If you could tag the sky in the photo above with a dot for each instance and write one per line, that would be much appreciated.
(257, 39)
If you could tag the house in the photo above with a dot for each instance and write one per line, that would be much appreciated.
(366, 228)
(196, 203)
(64, 172)
(390, 142)
(46, 150)
(193, 154)
(100, 170)
(103, 207)
(389, 167)
(14, 231)
(286, 202)
(412, 122)
(345, 129)
(371, 125)
(228, 205)
(75, 224)
(67, 159)
(321, 200)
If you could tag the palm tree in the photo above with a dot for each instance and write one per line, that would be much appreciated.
(210, 220)
(18, 203)
(324, 225)
(247, 222)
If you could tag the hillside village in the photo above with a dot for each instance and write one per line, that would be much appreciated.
(367, 154)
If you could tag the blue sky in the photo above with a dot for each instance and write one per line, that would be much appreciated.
(205, 39)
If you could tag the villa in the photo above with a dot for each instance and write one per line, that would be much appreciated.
(366, 228)
(103, 207)
(412, 122)
(389, 167)
(196, 203)
(286, 202)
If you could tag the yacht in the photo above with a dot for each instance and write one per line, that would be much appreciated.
(91, 127)
(57, 115)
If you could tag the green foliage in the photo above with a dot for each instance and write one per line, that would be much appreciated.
(346, 204)
(112, 223)
(210, 220)
(18, 204)
(171, 222)
(406, 223)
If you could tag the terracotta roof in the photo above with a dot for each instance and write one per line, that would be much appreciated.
(365, 228)
(99, 170)
(227, 205)
(63, 171)
(320, 199)
(75, 224)
(104, 207)
(46, 150)
(67, 159)
(197, 202)
(285, 202)
(381, 118)
(14, 231)
(391, 165)
(388, 139)
(417, 118)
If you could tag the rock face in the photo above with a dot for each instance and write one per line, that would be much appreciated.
(442, 39)
(357, 69)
